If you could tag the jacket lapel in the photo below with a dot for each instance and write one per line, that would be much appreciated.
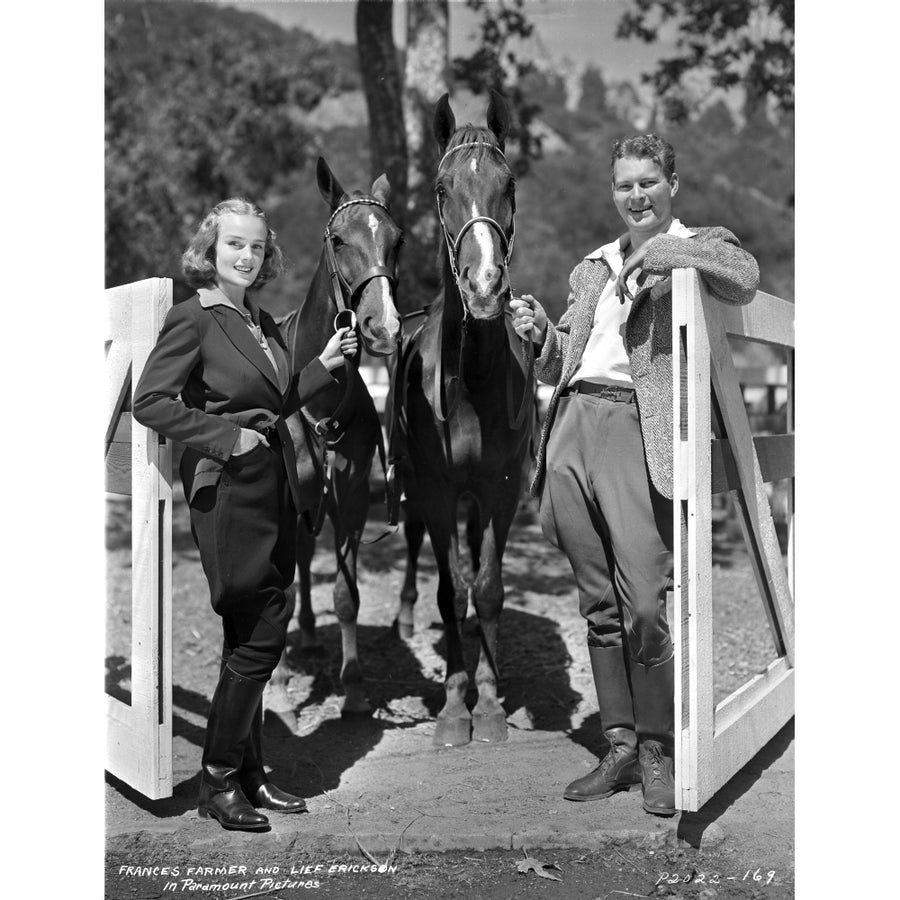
(278, 347)
(239, 334)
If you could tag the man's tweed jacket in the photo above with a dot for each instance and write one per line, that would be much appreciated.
(730, 273)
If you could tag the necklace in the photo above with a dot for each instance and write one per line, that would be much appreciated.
(256, 330)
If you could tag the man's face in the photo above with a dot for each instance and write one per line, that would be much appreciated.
(642, 195)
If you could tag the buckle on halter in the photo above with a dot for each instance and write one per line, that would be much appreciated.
(347, 314)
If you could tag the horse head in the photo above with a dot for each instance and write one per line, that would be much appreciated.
(476, 205)
(361, 246)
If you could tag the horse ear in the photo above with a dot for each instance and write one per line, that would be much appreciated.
(498, 118)
(444, 122)
(381, 189)
(329, 186)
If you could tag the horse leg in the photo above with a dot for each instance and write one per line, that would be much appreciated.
(473, 533)
(488, 716)
(306, 618)
(453, 727)
(414, 531)
(346, 607)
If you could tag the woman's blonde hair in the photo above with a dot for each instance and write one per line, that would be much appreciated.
(199, 260)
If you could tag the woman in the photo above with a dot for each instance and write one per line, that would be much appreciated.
(219, 381)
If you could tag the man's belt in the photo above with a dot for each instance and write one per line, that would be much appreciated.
(613, 392)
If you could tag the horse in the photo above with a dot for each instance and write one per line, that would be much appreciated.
(338, 432)
(464, 410)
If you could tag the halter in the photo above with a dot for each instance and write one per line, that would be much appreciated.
(341, 289)
(331, 427)
(515, 419)
(453, 246)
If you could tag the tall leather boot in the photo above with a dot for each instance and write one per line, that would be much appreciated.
(654, 710)
(618, 770)
(254, 781)
(233, 706)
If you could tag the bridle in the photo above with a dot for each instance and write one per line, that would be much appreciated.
(514, 419)
(341, 289)
(453, 245)
(345, 296)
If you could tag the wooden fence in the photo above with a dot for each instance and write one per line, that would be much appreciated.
(139, 464)
(713, 742)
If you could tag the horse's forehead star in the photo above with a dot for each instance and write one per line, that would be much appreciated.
(473, 165)
(373, 224)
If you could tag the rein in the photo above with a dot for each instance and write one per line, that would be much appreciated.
(514, 420)
(331, 428)
(345, 317)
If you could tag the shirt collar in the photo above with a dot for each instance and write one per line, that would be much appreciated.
(612, 252)
(213, 296)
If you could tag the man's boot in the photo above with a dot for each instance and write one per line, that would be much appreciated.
(254, 781)
(233, 706)
(654, 709)
(618, 770)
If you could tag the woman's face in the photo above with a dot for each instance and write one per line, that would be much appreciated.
(240, 250)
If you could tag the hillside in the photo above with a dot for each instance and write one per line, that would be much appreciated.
(183, 123)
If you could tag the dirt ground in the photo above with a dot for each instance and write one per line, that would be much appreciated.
(546, 691)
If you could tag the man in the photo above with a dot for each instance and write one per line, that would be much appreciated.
(604, 464)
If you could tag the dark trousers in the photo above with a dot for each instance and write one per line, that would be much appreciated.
(599, 507)
(245, 528)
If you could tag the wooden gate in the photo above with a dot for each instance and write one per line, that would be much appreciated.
(717, 740)
(139, 464)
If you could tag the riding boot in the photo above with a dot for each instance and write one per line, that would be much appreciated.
(233, 706)
(618, 769)
(254, 782)
(654, 708)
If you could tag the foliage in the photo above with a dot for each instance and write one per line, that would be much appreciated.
(496, 64)
(749, 42)
(199, 107)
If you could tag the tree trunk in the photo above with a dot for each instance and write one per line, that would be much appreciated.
(426, 78)
(383, 86)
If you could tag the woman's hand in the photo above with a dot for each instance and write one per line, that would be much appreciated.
(342, 343)
(529, 318)
(247, 440)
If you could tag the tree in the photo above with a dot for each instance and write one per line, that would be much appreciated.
(426, 77)
(496, 64)
(749, 42)
(199, 107)
(383, 87)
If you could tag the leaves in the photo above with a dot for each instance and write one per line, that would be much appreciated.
(748, 42)
(530, 864)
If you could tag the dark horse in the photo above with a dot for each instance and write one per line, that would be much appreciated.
(465, 394)
(335, 445)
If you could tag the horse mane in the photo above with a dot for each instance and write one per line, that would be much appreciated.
(473, 134)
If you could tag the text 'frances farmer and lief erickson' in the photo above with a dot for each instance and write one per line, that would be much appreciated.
(221, 879)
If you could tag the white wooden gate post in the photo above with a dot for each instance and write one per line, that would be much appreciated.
(712, 741)
(139, 733)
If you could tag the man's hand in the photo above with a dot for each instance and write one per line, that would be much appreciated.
(529, 318)
(634, 261)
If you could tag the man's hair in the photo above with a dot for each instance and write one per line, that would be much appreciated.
(199, 260)
(646, 146)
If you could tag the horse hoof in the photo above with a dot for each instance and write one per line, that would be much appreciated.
(490, 729)
(310, 643)
(355, 708)
(452, 732)
(404, 630)
(280, 722)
